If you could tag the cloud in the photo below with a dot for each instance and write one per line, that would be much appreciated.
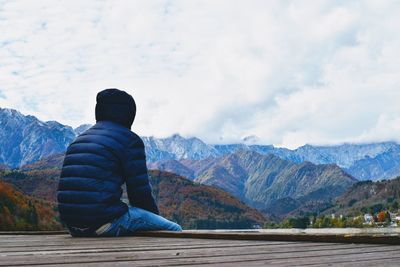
(288, 72)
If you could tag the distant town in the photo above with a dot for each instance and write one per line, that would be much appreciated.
(380, 219)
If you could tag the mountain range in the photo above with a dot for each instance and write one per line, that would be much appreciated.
(266, 182)
(26, 139)
(372, 161)
(192, 205)
(275, 186)
(277, 181)
(196, 206)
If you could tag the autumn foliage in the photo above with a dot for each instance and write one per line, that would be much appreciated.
(28, 200)
(197, 206)
(22, 212)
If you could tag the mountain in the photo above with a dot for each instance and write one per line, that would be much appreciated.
(383, 166)
(267, 181)
(52, 162)
(82, 128)
(199, 206)
(262, 179)
(173, 166)
(39, 179)
(41, 184)
(25, 139)
(191, 204)
(177, 147)
(373, 161)
(21, 212)
(368, 197)
(364, 161)
(184, 167)
(344, 155)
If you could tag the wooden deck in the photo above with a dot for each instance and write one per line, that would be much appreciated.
(196, 248)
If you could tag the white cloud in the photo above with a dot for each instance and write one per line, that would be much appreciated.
(289, 72)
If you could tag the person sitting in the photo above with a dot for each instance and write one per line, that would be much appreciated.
(96, 165)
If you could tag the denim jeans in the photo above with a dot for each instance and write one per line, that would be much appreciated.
(136, 219)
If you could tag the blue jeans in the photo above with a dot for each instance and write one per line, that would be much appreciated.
(136, 219)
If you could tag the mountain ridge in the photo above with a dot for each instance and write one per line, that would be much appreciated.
(179, 199)
(19, 211)
(368, 197)
(25, 139)
(259, 180)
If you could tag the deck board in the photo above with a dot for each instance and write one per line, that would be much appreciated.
(181, 250)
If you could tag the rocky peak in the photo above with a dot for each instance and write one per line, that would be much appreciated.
(25, 139)
(82, 128)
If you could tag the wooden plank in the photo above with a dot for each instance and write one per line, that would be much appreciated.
(30, 238)
(166, 247)
(194, 248)
(140, 246)
(274, 258)
(381, 259)
(366, 262)
(134, 241)
(367, 239)
(15, 233)
(104, 243)
(119, 242)
(345, 258)
(66, 240)
(245, 260)
(213, 253)
(262, 235)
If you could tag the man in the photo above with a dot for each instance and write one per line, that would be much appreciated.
(97, 164)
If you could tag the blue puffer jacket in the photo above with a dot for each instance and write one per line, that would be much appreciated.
(98, 163)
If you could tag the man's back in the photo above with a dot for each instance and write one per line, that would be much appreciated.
(96, 164)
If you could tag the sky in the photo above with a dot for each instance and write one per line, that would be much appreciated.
(287, 73)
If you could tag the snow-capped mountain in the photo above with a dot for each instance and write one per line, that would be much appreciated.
(25, 139)
(343, 155)
(177, 147)
(82, 128)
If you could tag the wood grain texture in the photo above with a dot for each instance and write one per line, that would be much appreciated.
(64, 250)
(253, 235)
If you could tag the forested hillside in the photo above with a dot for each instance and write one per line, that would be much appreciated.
(200, 206)
(193, 205)
(21, 212)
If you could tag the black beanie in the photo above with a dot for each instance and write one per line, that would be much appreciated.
(116, 106)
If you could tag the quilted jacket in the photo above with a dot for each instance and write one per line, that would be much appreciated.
(99, 161)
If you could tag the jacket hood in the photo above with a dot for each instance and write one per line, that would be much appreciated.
(115, 105)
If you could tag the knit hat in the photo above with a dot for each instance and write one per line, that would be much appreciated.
(116, 106)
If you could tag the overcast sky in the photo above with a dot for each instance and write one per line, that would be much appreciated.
(288, 72)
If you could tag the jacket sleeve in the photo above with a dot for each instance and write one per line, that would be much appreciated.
(136, 178)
